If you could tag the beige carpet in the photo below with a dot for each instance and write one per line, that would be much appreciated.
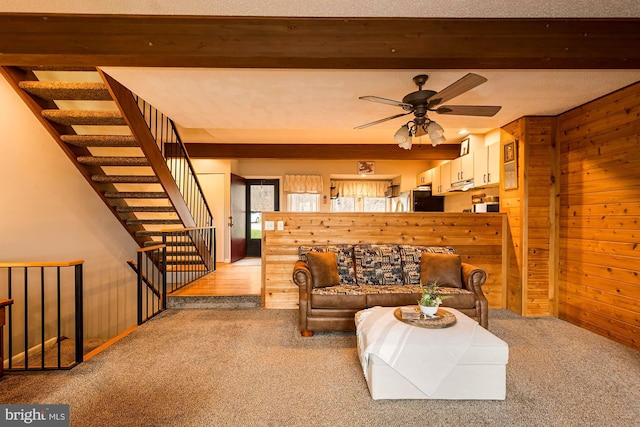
(252, 368)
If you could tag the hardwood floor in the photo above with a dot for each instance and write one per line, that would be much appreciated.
(240, 278)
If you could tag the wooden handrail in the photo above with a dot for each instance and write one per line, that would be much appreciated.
(41, 264)
(172, 230)
(151, 248)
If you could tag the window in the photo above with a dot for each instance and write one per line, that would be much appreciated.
(303, 192)
(359, 204)
(303, 202)
(359, 196)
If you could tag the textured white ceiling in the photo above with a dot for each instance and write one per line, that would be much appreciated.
(322, 106)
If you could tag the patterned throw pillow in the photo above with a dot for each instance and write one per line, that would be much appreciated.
(378, 265)
(411, 256)
(346, 270)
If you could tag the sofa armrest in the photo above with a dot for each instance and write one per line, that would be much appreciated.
(302, 277)
(472, 279)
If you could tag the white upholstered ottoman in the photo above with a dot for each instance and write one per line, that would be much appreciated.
(402, 361)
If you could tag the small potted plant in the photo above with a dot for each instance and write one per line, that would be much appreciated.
(430, 299)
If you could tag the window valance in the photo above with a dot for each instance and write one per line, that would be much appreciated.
(303, 184)
(361, 188)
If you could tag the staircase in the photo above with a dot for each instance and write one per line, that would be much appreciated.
(125, 149)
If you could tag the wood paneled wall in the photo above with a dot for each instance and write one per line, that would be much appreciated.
(532, 215)
(479, 238)
(599, 277)
(511, 203)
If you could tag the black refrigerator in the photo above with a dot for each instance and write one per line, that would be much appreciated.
(423, 201)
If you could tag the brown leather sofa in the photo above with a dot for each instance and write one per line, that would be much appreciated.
(337, 281)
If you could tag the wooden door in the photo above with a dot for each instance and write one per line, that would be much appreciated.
(238, 218)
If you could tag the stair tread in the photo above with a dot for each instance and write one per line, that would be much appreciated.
(113, 161)
(142, 233)
(169, 244)
(84, 117)
(135, 194)
(128, 209)
(100, 140)
(152, 221)
(126, 179)
(85, 91)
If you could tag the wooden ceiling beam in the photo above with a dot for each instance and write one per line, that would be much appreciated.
(74, 40)
(322, 151)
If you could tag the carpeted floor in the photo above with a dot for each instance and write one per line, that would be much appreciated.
(252, 368)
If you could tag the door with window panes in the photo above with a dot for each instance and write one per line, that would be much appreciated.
(263, 195)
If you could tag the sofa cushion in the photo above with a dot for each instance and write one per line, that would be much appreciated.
(355, 296)
(346, 270)
(340, 296)
(443, 269)
(338, 301)
(378, 265)
(460, 298)
(411, 256)
(324, 269)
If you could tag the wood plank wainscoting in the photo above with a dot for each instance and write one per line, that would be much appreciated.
(479, 238)
(599, 286)
(572, 223)
(531, 211)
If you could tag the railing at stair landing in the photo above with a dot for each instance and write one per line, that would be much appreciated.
(46, 314)
(154, 281)
(153, 277)
(175, 154)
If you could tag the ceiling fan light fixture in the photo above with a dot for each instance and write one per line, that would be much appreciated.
(406, 145)
(434, 130)
(402, 135)
(438, 140)
(423, 101)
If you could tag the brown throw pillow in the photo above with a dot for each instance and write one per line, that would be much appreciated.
(445, 269)
(324, 269)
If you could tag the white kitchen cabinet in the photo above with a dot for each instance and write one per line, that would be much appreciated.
(462, 168)
(424, 178)
(486, 166)
(441, 181)
(493, 160)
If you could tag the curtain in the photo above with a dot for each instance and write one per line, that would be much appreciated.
(303, 184)
(361, 188)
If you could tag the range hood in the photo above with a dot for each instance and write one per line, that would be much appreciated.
(459, 186)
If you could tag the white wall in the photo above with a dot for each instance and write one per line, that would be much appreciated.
(215, 180)
(48, 212)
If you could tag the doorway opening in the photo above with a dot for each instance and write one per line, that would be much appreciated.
(263, 195)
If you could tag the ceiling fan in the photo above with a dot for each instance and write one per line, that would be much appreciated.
(422, 101)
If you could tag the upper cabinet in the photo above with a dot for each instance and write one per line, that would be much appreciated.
(482, 165)
(486, 167)
(424, 178)
(441, 182)
(462, 168)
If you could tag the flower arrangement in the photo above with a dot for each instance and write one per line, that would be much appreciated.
(431, 296)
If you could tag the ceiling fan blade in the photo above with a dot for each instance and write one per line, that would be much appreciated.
(381, 120)
(457, 88)
(469, 110)
(387, 101)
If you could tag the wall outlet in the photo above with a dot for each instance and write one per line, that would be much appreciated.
(269, 226)
(280, 225)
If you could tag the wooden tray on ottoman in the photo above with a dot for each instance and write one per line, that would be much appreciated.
(442, 318)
